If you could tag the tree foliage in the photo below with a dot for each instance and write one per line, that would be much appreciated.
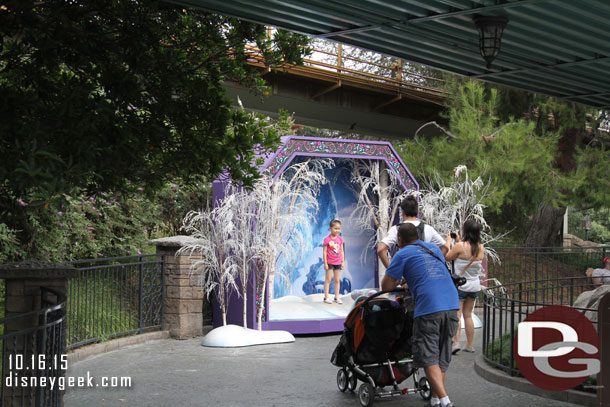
(119, 96)
(102, 95)
(102, 225)
(524, 155)
(519, 164)
(363, 60)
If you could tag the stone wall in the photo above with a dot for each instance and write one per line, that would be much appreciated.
(184, 302)
(24, 282)
(574, 241)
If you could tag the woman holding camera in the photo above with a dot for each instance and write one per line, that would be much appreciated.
(468, 253)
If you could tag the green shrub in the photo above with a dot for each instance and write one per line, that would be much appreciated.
(500, 350)
(9, 245)
(600, 224)
(105, 225)
(95, 309)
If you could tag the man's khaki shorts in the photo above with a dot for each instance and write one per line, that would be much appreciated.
(432, 338)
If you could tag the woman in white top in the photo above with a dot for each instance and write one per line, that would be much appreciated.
(468, 256)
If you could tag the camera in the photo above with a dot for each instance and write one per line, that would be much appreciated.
(453, 235)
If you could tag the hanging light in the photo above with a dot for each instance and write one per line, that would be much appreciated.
(490, 34)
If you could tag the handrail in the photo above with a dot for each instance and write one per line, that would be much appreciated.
(505, 309)
(344, 57)
(41, 337)
(115, 296)
(341, 71)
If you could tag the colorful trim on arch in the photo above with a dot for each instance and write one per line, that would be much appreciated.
(349, 149)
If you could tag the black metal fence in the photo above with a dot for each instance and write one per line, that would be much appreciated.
(32, 347)
(518, 264)
(114, 297)
(505, 306)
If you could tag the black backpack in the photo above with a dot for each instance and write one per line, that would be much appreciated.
(420, 230)
(420, 234)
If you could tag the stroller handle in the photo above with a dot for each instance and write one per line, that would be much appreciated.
(395, 290)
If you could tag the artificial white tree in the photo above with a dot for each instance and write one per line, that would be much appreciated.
(446, 207)
(241, 205)
(216, 269)
(282, 207)
(379, 193)
(256, 231)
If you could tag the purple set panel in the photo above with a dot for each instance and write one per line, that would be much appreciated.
(274, 165)
(306, 327)
(338, 148)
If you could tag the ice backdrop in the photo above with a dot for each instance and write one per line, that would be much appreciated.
(305, 275)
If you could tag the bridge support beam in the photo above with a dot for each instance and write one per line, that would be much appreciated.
(325, 91)
(388, 102)
(342, 110)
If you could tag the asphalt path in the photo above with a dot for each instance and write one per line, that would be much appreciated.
(183, 373)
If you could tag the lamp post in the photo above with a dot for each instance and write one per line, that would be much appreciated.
(586, 224)
(490, 30)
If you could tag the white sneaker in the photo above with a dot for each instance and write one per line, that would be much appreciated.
(327, 301)
(455, 348)
(338, 301)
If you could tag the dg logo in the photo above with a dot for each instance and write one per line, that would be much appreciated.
(556, 348)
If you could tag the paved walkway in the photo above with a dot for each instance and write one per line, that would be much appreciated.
(183, 373)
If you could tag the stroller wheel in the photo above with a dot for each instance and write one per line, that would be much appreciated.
(352, 382)
(342, 381)
(423, 386)
(366, 395)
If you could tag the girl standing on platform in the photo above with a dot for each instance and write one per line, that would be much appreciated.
(334, 258)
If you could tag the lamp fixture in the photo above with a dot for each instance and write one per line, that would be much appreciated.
(490, 35)
(586, 224)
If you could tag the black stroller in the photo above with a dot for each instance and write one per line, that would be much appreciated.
(375, 348)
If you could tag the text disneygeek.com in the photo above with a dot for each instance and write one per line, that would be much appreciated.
(48, 371)
(61, 383)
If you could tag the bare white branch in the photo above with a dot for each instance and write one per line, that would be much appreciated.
(447, 132)
(379, 193)
(447, 207)
(214, 265)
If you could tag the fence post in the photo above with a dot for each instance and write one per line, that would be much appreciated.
(162, 291)
(24, 283)
(140, 296)
(512, 337)
(603, 326)
(339, 57)
(41, 342)
(184, 299)
(536, 278)
(485, 323)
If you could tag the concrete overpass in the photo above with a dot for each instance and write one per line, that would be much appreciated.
(335, 97)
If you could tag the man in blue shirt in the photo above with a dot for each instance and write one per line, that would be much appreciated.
(422, 265)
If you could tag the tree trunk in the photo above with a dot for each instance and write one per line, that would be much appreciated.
(259, 311)
(245, 307)
(546, 226)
